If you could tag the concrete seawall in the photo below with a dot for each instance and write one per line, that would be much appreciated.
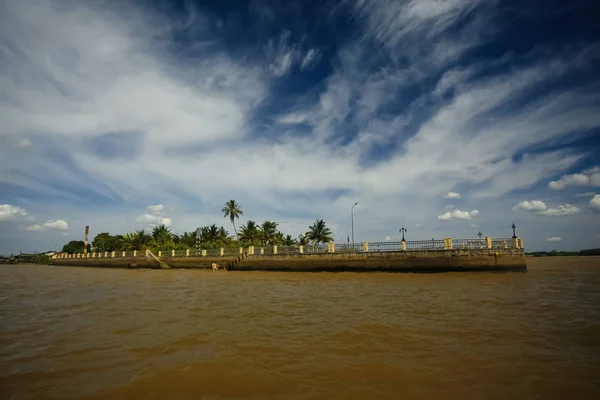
(391, 261)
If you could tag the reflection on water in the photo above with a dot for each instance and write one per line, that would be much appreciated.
(84, 333)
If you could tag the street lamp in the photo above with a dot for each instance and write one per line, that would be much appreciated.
(480, 235)
(352, 214)
(402, 230)
(513, 228)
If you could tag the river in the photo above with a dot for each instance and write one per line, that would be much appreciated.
(86, 333)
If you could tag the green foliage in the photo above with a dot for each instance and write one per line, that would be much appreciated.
(40, 259)
(106, 242)
(73, 247)
(318, 232)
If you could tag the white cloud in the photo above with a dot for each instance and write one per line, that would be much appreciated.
(10, 213)
(589, 177)
(388, 238)
(23, 143)
(473, 226)
(586, 194)
(154, 220)
(594, 204)
(452, 195)
(541, 208)
(554, 239)
(458, 215)
(156, 208)
(285, 55)
(561, 210)
(450, 206)
(59, 224)
(35, 228)
(534, 205)
(418, 225)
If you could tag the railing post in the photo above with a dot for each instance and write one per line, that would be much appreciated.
(187, 252)
(241, 250)
(221, 252)
(250, 250)
(172, 253)
(504, 244)
(112, 254)
(445, 243)
(135, 253)
(521, 243)
(78, 255)
(331, 247)
(365, 246)
(515, 243)
(262, 250)
(123, 254)
(403, 245)
(275, 249)
(300, 249)
(147, 253)
(450, 244)
(160, 253)
(203, 253)
(488, 242)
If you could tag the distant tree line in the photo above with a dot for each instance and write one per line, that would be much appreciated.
(554, 253)
(210, 236)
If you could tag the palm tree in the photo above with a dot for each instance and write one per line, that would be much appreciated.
(250, 233)
(268, 232)
(319, 233)
(302, 240)
(162, 235)
(233, 210)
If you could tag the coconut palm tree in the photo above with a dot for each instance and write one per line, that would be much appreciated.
(233, 210)
(162, 235)
(268, 232)
(318, 232)
(250, 233)
(302, 240)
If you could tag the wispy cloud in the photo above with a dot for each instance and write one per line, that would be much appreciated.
(391, 118)
(541, 208)
(554, 239)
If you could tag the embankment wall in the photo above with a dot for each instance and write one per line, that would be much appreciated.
(392, 261)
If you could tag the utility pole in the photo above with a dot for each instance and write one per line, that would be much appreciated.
(352, 214)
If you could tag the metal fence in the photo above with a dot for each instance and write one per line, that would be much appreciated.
(502, 243)
(469, 244)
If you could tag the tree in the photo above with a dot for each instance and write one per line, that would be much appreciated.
(188, 239)
(137, 240)
(73, 247)
(233, 210)
(268, 232)
(302, 240)
(161, 235)
(318, 232)
(250, 234)
(106, 242)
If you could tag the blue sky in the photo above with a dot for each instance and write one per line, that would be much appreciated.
(446, 117)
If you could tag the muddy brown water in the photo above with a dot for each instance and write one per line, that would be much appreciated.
(86, 333)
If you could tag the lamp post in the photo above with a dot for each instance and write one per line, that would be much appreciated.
(480, 235)
(513, 228)
(402, 230)
(352, 216)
